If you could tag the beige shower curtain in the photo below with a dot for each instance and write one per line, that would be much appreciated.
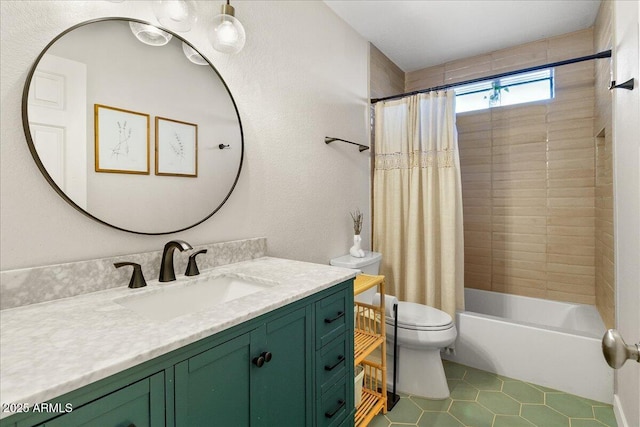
(417, 207)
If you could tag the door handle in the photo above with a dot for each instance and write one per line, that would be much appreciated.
(616, 351)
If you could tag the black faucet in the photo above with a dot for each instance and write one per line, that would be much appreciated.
(167, 273)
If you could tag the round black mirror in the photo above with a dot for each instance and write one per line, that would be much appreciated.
(132, 126)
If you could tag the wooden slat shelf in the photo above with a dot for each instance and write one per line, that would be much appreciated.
(365, 343)
(369, 407)
(365, 281)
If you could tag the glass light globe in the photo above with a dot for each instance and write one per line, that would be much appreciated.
(228, 34)
(176, 15)
(193, 55)
(148, 34)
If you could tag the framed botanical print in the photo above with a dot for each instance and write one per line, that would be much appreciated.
(176, 148)
(121, 140)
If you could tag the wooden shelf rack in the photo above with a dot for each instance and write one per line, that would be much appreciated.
(369, 337)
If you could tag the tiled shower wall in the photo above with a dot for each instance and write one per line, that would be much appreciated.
(605, 283)
(528, 175)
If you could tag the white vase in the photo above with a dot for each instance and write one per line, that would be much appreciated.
(356, 250)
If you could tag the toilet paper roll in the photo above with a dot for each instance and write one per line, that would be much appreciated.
(389, 302)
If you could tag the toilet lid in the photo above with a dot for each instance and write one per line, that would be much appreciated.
(420, 317)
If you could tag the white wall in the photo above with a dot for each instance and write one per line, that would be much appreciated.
(301, 76)
(626, 187)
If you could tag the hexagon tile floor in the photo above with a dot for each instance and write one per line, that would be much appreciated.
(484, 399)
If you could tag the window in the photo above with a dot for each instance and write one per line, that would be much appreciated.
(515, 89)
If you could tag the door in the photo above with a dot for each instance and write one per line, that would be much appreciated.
(626, 155)
(58, 121)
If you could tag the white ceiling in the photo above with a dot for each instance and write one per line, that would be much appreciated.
(417, 34)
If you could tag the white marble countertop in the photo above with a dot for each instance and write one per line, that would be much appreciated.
(52, 348)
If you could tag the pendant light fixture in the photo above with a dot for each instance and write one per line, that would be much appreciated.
(176, 15)
(228, 34)
(148, 34)
(193, 55)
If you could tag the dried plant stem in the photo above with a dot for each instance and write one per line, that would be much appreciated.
(357, 221)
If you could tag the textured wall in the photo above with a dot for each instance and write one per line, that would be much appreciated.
(301, 76)
(528, 175)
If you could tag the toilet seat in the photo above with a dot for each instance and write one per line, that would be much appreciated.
(419, 317)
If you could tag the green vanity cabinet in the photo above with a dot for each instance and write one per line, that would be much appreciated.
(292, 366)
(260, 378)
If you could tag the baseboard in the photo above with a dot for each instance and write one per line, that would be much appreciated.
(619, 413)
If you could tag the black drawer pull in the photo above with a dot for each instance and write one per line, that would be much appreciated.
(339, 315)
(332, 367)
(341, 404)
(267, 356)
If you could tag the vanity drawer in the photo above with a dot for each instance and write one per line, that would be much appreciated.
(331, 314)
(331, 364)
(334, 407)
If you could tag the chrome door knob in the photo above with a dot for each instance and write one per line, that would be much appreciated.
(616, 351)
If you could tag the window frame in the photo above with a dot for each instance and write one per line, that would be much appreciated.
(511, 80)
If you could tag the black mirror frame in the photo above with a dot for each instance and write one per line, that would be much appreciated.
(36, 157)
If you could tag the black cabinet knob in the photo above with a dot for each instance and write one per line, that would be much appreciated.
(265, 357)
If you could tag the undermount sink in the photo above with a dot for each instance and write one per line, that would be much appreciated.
(177, 299)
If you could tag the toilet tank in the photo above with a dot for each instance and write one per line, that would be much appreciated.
(370, 264)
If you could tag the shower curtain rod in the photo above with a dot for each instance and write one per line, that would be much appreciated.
(603, 54)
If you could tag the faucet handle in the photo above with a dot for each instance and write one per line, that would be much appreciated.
(192, 267)
(137, 278)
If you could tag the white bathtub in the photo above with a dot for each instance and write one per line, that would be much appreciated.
(550, 343)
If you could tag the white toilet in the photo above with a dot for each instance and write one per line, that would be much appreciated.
(422, 332)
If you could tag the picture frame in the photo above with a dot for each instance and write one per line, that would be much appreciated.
(121, 140)
(176, 148)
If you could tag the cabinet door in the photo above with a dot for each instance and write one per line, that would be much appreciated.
(140, 404)
(285, 384)
(214, 387)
